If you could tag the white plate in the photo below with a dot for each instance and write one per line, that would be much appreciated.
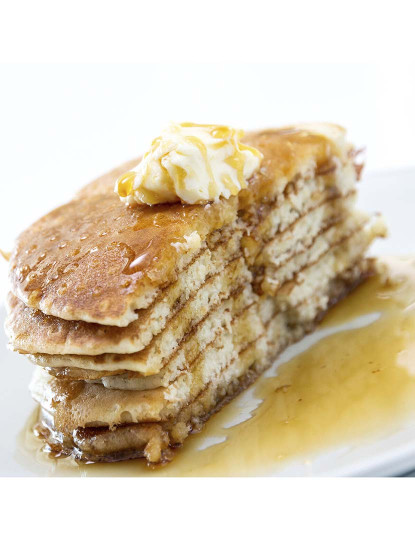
(393, 194)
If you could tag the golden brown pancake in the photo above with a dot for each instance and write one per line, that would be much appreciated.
(145, 320)
(32, 331)
(96, 260)
(181, 329)
(95, 423)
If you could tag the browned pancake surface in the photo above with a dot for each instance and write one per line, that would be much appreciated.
(93, 259)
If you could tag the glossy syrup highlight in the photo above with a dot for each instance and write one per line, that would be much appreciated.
(354, 380)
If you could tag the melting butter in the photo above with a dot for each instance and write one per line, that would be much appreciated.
(356, 379)
(191, 163)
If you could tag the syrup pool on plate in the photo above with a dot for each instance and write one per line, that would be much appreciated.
(354, 378)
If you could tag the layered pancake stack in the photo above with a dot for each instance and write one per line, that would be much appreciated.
(144, 320)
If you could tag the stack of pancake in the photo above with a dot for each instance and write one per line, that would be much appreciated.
(143, 321)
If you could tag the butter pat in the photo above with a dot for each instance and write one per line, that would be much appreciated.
(192, 164)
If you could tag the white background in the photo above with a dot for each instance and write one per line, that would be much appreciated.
(61, 126)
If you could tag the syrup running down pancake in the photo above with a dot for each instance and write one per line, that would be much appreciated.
(144, 320)
(349, 385)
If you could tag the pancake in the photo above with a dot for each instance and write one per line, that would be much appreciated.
(143, 321)
(66, 406)
(312, 274)
(93, 405)
(96, 260)
(32, 331)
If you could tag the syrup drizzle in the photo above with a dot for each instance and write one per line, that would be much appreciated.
(355, 379)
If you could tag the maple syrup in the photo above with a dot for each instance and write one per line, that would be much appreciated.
(355, 378)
